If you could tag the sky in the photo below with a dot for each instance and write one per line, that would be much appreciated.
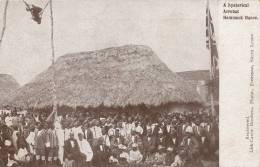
(174, 29)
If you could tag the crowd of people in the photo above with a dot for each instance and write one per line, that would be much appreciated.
(82, 139)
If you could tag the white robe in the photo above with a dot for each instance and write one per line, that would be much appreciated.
(135, 156)
(31, 141)
(61, 137)
(86, 149)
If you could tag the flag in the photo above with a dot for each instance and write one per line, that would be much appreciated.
(211, 44)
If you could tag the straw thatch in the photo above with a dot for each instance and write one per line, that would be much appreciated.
(7, 85)
(118, 76)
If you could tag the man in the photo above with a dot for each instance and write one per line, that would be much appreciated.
(71, 151)
(123, 157)
(170, 155)
(85, 149)
(52, 145)
(40, 143)
(35, 12)
(172, 140)
(61, 139)
(161, 138)
(101, 154)
(190, 143)
(159, 157)
(149, 144)
(31, 141)
(135, 155)
(96, 130)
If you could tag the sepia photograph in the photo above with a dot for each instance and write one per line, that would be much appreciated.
(109, 83)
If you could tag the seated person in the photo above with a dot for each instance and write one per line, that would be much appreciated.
(135, 155)
(160, 156)
(71, 151)
(123, 155)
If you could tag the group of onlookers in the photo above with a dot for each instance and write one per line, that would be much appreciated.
(79, 139)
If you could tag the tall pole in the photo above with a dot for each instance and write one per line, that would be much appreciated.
(211, 63)
(4, 22)
(53, 61)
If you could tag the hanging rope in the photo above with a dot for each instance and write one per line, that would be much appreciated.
(4, 22)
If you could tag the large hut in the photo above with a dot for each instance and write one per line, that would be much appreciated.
(117, 77)
(7, 85)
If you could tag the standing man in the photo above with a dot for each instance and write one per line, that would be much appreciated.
(85, 149)
(71, 151)
(40, 143)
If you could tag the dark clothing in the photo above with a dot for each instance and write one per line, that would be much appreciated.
(71, 151)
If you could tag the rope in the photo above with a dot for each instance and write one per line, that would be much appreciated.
(4, 22)
(45, 7)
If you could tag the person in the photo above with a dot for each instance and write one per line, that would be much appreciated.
(149, 144)
(61, 139)
(71, 151)
(191, 144)
(35, 12)
(101, 154)
(52, 145)
(85, 149)
(40, 141)
(172, 140)
(123, 157)
(159, 158)
(170, 155)
(180, 158)
(31, 141)
(135, 155)
(7, 150)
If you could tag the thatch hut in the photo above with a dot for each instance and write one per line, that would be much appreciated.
(130, 75)
(7, 85)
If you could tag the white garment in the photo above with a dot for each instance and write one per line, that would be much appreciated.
(61, 137)
(168, 127)
(97, 132)
(124, 155)
(106, 140)
(22, 152)
(177, 161)
(135, 156)
(76, 131)
(85, 148)
(139, 129)
(123, 132)
(67, 133)
(31, 141)
(9, 121)
(111, 132)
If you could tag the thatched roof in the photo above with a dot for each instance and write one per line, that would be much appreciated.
(195, 75)
(112, 77)
(7, 85)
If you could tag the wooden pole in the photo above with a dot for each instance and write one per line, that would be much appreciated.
(211, 64)
(53, 61)
(4, 22)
